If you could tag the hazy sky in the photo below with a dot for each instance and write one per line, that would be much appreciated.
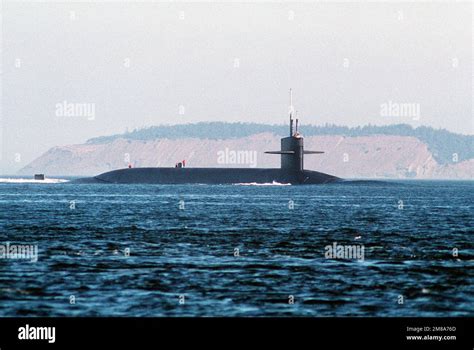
(141, 64)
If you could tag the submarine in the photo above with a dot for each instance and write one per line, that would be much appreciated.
(291, 170)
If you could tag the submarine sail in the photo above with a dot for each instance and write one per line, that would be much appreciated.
(292, 147)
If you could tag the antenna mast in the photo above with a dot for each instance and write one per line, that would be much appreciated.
(291, 112)
(296, 115)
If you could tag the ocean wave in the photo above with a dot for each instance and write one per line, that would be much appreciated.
(21, 180)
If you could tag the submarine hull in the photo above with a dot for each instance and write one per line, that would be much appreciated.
(209, 176)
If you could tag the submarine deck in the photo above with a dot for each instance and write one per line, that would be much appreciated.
(209, 176)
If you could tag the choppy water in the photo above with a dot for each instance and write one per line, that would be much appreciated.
(408, 252)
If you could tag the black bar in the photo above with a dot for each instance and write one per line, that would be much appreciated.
(315, 333)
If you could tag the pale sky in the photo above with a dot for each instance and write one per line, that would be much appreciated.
(137, 63)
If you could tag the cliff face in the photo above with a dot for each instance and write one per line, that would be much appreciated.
(377, 156)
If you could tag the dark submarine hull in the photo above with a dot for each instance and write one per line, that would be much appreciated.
(209, 176)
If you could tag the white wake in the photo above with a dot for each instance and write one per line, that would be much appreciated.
(274, 183)
(32, 181)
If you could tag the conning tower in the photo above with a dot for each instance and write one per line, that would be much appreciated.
(292, 148)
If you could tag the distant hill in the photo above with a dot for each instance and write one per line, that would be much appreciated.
(396, 152)
(441, 143)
